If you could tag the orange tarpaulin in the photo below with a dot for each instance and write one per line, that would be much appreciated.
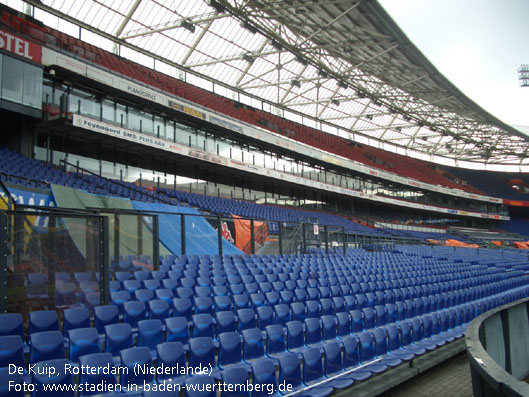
(497, 243)
(522, 245)
(243, 234)
(457, 243)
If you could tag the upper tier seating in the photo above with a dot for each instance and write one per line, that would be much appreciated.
(398, 164)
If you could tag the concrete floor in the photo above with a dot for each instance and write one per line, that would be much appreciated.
(448, 379)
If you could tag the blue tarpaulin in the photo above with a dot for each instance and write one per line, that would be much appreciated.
(201, 237)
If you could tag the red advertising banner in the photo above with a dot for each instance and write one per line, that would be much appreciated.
(16, 45)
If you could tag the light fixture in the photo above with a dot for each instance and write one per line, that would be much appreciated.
(189, 26)
(335, 102)
(277, 45)
(341, 84)
(296, 83)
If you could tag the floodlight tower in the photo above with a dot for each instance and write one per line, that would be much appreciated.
(523, 75)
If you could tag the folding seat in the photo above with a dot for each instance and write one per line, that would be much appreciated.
(225, 322)
(131, 285)
(174, 274)
(219, 280)
(333, 366)
(350, 302)
(187, 282)
(83, 341)
(46, 345)
(105, 315)
(357, 320)
(203, 304)
(407, 340)
(417, 335)
(130, 359)
(118, 298)
(391, 313)
(335, 290)
(203, 282)
(394, 346)
(177, 330)
(313, 332)
(351, 359)
(165, 294)
(325, 292)
(202, 353)
(264, 375)
(369, 317)
(313, 373)
(114, 285)
(253, 345)
(281, 314)
(265, 317)
(295, 337)
(313, 283)
(389, 296)
(312, 309)
(430, 323)
(182, 307)
(328, 328)
(302, 284)
(158, 275)
(361, 301)
(327, 307)
(418, 304)
(272, 298)
(313, 293)
(382, 350)
(170, 355)
(367, 353)
(159, 309)
(275, 341)
(144, 295)
(78, 317)
(118, 337)
(300, 295)
(343, 324)
(220, 290)
(222, 303)
(12, 351)
(298, 311)
(397, 295)
(203, 325)
(257, 299)
(338, 304)
(202, 291)
(200, 386)
(43, 320)
(241, 301)
(122, 276)
(278, 286)
(134, 311)
(41, 380)
(142, 275)
(184, 292)
(287, 296)
(8, 382)
(290, 285)
(246, 319)
(150, 334)
(401, 310)
(345, 289)
(355, 288)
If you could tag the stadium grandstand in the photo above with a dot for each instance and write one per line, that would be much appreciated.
(286, 193)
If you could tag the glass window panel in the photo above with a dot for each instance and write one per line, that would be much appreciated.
(32, 86)
(12, 79)
(108, 111)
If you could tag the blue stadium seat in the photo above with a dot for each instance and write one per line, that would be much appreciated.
(230, 351)
(131, 358)
(253, 345)
(312, 373)
(159, 309)
(105, 315)
(150, 334)
(40, 378)
(78, 317)
(171, 355)
(46, 345)
(177, 330)
(333, 366)
(246, 319)
(11, 351)
(83, 341)
(117, 338)
(183, 307)
(237, 377)
(134, 311)
(43, 320)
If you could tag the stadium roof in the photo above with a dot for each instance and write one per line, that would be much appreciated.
(342, 62)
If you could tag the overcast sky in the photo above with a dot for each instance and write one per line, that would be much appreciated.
(477, 44)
